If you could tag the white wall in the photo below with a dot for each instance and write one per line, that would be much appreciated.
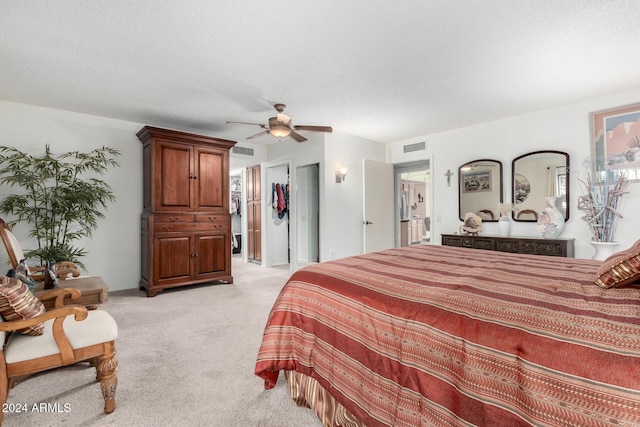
(114, 249)
(341, 210)
(565, 128)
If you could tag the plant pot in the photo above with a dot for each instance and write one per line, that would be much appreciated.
(504, 225)
(603, 250)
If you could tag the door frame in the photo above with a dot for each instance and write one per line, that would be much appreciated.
(298, 211)
(244, 229)
(265, 187)
(398, 169)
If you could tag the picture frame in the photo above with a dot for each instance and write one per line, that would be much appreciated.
(476, 182)
(615, 145)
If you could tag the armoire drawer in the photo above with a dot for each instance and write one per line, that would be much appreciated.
(162, 218)
(190, 226)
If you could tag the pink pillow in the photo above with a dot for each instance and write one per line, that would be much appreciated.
(620, 269)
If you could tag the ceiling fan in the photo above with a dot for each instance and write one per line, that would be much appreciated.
(280, 126)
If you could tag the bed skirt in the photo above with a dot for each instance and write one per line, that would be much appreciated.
(306, 391)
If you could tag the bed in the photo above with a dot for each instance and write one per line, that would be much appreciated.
(444, 336)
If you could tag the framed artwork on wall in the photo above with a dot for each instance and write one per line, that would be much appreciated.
(476, 181)
(615, 143)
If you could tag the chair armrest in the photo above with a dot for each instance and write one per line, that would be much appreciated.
(78, 311)
(63, 269)
(59, 314)
(59, 295)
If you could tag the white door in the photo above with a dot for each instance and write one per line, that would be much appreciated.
(378, 206)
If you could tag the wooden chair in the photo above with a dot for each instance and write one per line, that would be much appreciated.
(526, 213)
(62, 269)
(71, 334)
(485, 214)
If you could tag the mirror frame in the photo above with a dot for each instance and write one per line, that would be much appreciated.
(568, 181)
(501, 189)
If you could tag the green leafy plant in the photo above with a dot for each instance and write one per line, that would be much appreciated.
(61, 197)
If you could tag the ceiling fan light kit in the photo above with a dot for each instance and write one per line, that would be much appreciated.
(280, 126)
(279, 129)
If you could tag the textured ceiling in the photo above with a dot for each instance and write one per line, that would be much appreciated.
(383, 70)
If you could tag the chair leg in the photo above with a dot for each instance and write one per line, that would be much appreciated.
(106, 373)
(4, 392)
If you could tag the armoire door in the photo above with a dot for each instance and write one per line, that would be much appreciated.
(173, 253)
(173, 176)
(209, 178)
(211, 253)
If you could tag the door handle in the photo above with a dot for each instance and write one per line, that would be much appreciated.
(367, 222)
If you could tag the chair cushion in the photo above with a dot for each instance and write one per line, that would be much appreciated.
(99, 327)
(620, 269)
(18, 303)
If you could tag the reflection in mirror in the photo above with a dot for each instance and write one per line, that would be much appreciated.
(536, 176)
(480, 189)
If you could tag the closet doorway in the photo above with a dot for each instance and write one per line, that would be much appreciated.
(308, 213)
(277, 249)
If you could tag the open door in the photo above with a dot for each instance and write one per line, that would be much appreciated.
(378, 212)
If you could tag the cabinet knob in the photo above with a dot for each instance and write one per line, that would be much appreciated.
(167, 227)
(213, 218)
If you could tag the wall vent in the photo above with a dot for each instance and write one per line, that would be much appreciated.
(414, 147)
(243, 150)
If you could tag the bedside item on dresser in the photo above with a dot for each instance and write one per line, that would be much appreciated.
(550, 221)
(504, 224)
(519, 245)
(472, 224)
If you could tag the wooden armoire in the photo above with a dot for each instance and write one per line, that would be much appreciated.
(186, 225)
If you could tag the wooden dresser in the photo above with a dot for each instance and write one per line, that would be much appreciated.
(519, 245)
(186, 225)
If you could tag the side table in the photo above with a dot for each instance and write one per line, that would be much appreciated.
(93, 291)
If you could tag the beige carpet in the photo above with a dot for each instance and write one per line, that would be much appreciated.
(186, 359)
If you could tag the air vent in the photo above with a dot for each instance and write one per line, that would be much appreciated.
(414, 147)
(243, 150)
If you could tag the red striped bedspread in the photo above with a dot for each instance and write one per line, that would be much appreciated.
(444, 336)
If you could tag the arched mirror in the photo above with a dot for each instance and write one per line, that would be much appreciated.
(536, 176)
(480, 189)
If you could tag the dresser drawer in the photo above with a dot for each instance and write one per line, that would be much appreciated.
(212, 218)
(163, 218)
(178, 227)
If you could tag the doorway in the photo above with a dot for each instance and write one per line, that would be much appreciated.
(413, 203)
(308, 213)
(277, 249)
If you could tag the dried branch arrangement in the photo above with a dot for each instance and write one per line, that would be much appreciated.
(600, 202)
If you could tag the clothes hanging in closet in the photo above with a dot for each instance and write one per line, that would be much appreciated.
(280, 198)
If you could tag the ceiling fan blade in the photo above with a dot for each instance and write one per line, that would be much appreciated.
(314, 128)
(247, 123)
(297, 136)
(258, 134)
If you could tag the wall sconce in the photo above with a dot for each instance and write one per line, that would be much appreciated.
(341, 174)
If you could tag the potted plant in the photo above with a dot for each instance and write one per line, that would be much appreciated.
(60, 196)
